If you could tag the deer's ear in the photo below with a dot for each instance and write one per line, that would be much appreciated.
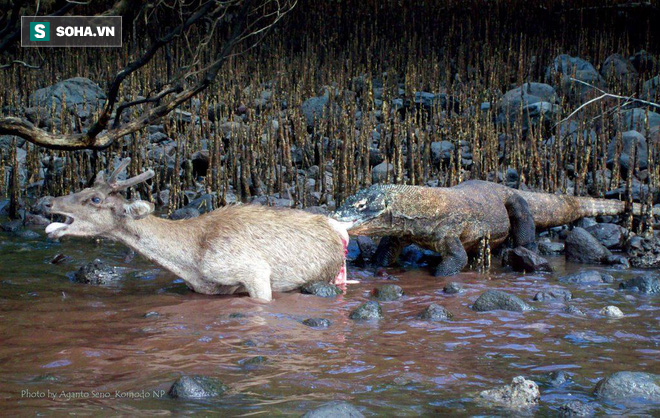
(138, 209)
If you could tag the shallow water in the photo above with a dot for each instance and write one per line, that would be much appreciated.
(89, 342)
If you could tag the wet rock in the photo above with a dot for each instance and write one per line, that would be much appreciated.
(586, 337)
(554, 295)
(79, 95)
(435, 312)
(643, 61)
(610, 235)
(382, 172)
(492, 300)
(184, 213)
(574, 310)
(98, 273)
(314, 108)
(618, 69)
(522, 259)
(644, 284)
(636, 119)
(520, 393)
(317, 322)
(575, 409)
(547, 247)
(253, 362)
(617, 260)
(197, 387)
(533, 98)
(12, 226)
(564, 67)
(629, 387)
(611, 312)
(322, 289)
(334, 410)
(643, 252)
(441, 151)
(151, 314)
(633, 143)
(453, 288)
(368, 310)
(587, 278)
(558, 379)
(387, 292)
(582, 247)
(237, 315)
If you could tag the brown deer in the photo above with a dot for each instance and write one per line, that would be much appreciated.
(232, 249)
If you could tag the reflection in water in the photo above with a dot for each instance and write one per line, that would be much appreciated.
(64, 338)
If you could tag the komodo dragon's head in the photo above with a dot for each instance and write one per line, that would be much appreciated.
(367, 210)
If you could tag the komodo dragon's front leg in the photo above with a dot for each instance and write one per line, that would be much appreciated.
(454, 257)
(388, 251)
(523, 230)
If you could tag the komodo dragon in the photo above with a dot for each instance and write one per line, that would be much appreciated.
(453, 221)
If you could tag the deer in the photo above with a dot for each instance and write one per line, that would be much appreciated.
(233, 249)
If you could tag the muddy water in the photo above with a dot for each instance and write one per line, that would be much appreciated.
(92, 348)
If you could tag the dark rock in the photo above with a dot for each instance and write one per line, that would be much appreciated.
(492, 300)
(453, 288)
(618, 69)
(197, 387)
(550, 248)
(12, 226)
(643, 61)
(644, 284)
(582, 247)
(442, 151)
(28, 234)
(587, 278)
(317, 322)
(387, 292)
(519, 394)
(610, 235)
(643, 252)
(586, 337)
(79, 95)
(184, 213)
(565, 67)
(617, 260)
(629, 140)
(636, 119)
(237, 315)
(554, 295)
(253, 362)
(629, 387)
(368, 310)
(322, 289)
(534, 99)
(573, 310)
(587, 222)
(98, 273)
(314, 108)
(575, 409)
(334, 410)
(382, 172)
(435, 312)
(522, 259)
(202, 204)
(558, 379)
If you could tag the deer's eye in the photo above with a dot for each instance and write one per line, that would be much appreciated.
(96, 200)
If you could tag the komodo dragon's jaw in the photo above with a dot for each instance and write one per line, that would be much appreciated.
(365, 210)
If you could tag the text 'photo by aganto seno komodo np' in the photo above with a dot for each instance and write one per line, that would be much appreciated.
(330, 209)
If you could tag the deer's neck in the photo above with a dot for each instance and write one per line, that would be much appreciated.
(165, 242)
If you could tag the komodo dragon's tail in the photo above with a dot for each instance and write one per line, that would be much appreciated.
(551, 210)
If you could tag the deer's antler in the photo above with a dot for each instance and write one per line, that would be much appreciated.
(115, 185)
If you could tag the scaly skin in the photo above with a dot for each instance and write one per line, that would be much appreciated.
(453, 221)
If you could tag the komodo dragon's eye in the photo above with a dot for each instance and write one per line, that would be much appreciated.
(361, 204)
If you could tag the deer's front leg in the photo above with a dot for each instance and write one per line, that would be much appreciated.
(258, 284)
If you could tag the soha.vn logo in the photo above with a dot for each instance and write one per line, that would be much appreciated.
(40, 31)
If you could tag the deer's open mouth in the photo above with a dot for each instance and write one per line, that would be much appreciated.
(54, 229)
